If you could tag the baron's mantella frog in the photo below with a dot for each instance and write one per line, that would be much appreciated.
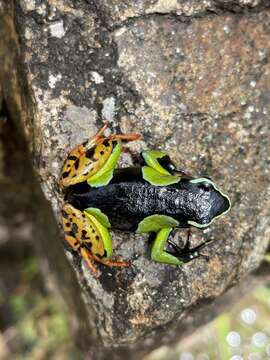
(151, 198)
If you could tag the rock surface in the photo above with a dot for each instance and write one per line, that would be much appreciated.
(116, 13)
(192, 78)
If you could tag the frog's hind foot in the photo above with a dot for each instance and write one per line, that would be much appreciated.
(113, 263)
(89, 259)
(94, 159)
(116, 137)
(104, 127)
(125, 137)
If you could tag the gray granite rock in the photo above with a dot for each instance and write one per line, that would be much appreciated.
(192, 78)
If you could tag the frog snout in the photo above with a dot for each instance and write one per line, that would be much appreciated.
(220, 204)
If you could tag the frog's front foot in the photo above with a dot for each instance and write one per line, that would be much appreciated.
(186, 254)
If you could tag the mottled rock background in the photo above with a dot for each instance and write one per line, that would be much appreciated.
(193, 78)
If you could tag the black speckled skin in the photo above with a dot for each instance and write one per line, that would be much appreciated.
(128, 199)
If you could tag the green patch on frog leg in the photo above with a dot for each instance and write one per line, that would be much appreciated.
(154, 223)
(104, 175)
(151, 156)
(154, 173)
(102, 180)
(106, 238)
(156, 178)
(99, 215)
(158, 253)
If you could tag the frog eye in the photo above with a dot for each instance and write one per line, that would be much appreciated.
(171, 166)
(203, 183)
(206, 186)
(167, 163)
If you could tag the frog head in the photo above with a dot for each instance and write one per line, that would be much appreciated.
(208, 202)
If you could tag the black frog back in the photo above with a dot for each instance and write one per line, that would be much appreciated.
(128, 199)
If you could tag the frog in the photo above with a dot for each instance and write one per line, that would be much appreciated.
(151, 197)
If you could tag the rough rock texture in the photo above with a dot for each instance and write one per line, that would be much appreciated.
(117, 12)
(191, 77)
